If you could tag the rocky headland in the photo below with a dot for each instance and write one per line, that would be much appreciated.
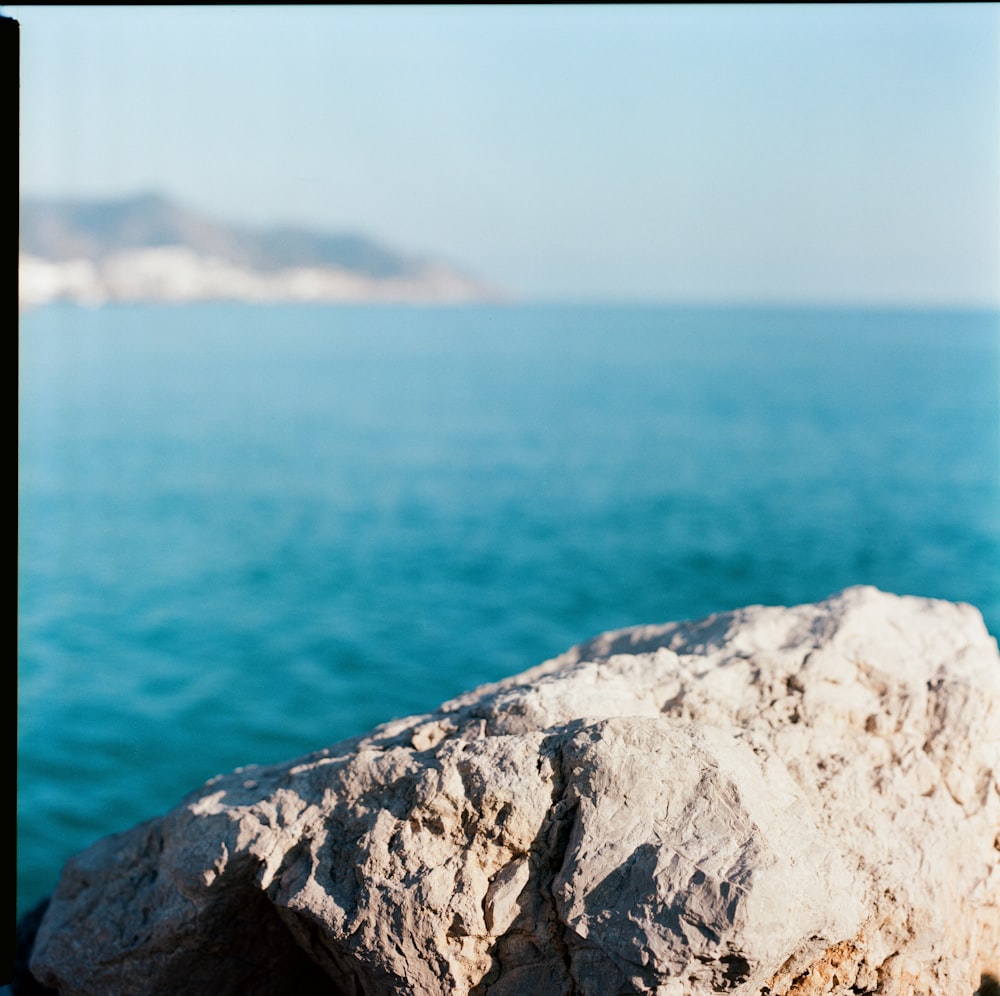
(769, 801)
(149, 249)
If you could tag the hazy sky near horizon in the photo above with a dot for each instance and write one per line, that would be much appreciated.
(827, 153)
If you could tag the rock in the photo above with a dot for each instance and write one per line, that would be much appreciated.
(22, 981)
(774, 800)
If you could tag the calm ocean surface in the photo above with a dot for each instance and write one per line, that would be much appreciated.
(248, 532)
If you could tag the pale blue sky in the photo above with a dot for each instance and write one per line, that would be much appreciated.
(842, 153)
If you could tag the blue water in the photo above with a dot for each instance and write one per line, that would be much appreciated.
(248, 532)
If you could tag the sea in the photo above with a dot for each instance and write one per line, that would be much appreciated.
(247, 532)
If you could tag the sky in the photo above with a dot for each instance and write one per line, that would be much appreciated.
(831, 154)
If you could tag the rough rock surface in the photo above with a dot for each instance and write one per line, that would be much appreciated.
(775, 800)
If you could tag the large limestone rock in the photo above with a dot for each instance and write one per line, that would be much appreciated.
(775, 800)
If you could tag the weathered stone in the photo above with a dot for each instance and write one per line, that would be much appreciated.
(775, 800)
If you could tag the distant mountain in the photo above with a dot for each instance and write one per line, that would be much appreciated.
(149, 248)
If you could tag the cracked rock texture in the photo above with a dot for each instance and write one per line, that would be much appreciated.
(774, 800)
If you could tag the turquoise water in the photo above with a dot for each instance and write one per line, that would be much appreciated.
(248, 532)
